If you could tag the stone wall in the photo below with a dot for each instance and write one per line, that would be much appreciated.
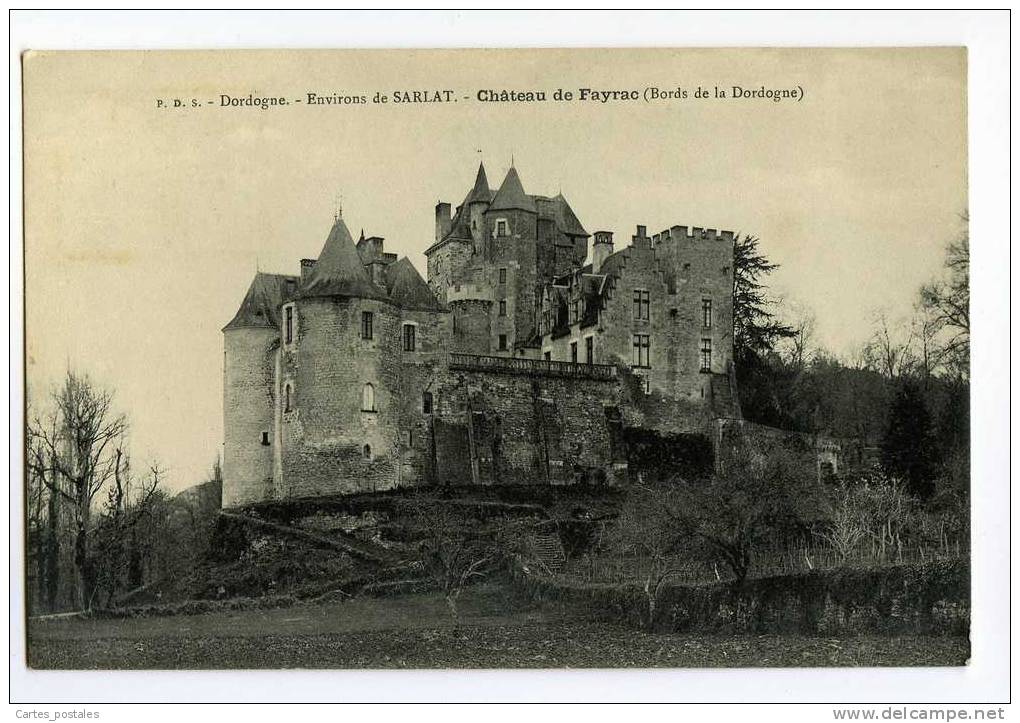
(526, 429)
(817, 452)
(445, 263)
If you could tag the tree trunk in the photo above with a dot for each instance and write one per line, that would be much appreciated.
(52, 553)
(451, 603)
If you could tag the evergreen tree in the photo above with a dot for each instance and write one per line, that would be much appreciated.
(756, 330)
(908, 448)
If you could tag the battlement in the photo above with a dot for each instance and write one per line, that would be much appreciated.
(694, 233)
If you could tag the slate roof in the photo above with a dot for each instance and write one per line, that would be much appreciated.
(511, 195)
(261, 305)
(408, 289)
(614, 263)
(481, 191)
(339, 271)
(559, 211)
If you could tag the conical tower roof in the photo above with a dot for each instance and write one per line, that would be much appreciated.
(339, 271)
(511, 195)
(480, 193)
(408, 289)
(261, 305)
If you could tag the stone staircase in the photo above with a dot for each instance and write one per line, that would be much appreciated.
(547, 550)
(724, 402)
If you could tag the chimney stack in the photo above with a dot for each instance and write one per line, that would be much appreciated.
(601, 250)
(442, 220)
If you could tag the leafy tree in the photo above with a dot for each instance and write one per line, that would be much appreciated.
(908, 448)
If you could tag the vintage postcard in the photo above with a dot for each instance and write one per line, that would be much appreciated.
(445, 359)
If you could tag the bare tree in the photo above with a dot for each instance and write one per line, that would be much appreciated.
(755, 496)
(76, 455)
(890, 347)
(800, 347)
(647, 530)
(454, 548)
(948, 300)
(846, 526)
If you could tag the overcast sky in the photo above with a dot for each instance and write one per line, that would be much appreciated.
(144, 226)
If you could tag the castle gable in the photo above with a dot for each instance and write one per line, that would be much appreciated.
(261, 304)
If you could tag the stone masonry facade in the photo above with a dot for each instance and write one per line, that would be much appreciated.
(521, 359)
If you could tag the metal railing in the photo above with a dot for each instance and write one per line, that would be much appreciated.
(512, 365)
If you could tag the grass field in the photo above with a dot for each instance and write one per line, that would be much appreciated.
(415, 631)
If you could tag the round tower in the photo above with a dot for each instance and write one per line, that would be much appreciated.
(341, 372)
(250, 343)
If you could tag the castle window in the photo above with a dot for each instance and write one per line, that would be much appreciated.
(573, 352)
(286, 397)
(366, 325)
(502, 307)
(642, 346)
(265, 439)
(641, 304)
(288, 324)
(648, 385)
(502, 228)
(502, 276)
(706, 355)
(409, 340)
(426, 403)
(575, 311)
(589, 350)
(706, 313)
(368, 398)
(547, 356)
(367, 451)
(502, 342)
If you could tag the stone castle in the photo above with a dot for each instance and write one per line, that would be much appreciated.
(525, 358)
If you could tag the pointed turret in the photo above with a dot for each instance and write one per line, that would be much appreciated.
(339, 271)
(511, 195)
(408, 289)
(480, 193)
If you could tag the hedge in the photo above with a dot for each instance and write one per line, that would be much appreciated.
(929, 598)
